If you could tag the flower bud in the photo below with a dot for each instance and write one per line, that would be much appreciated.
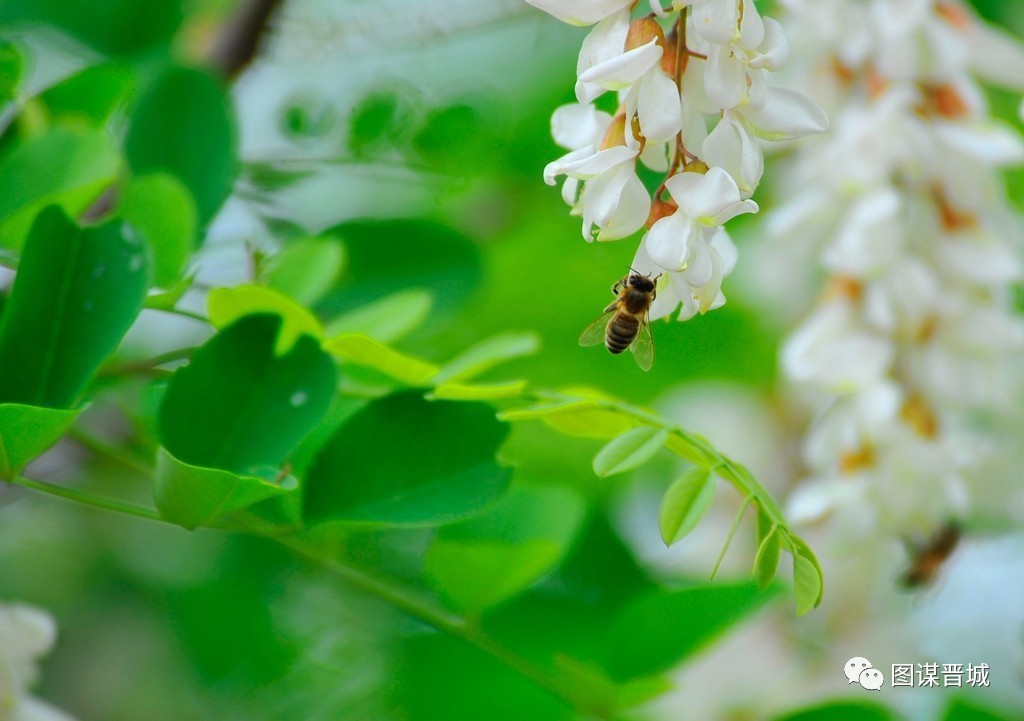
(853, 461)
(920, 416)
(696, 166)
(616, 133)
(643, 31)
(660, 209)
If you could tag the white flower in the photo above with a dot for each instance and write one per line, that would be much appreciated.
(25, 634)
(605, 64)
(735, 72)
(580, 12)
(733, 144)
(576, 128)
(614, 203)
(704, 200)
(835, 352)
(711, 256)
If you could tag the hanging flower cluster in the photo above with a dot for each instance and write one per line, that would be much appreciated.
(26, 634)
(915, 343)
(677, 73)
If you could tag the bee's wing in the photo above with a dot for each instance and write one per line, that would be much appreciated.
(643, 346)
(594, 333)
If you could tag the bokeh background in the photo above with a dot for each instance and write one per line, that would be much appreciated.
(414, 133)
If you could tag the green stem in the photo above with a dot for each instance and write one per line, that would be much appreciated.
(88, 499)
(149, 364)
(184, 314)
(389, 593)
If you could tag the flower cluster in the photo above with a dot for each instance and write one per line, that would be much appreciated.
(25, 634)
(915, 345)
(692, 103)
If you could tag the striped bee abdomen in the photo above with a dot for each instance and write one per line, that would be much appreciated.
(621, 332)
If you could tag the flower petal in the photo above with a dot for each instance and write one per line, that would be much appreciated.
(725, 77)
(557, 167)
(580, 12)
(578, 126)
(716, 20)
(623, 70)
(786, 114)
(704, 196)
(594, 164)
(658, 106)
(616, 203)
(731, 147)
(606, 41)
(773, 53)
(668, 241)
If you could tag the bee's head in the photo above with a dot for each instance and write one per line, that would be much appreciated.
(641, 282)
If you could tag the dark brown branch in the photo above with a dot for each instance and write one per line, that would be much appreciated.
(240, 38)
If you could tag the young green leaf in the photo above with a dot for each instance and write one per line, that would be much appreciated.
(306, 269)
(162, 210)
(629, 450)
(238, 405)
(388, 319)
(366, 351)
(486, 354)
(65, 166)
(582, 418)
(77, 292)
(89, 96)
(806, 584)
(226, 305)
(479, 392)
(769, 550)
(11, 65)
(27, 431)
(685, 503)
(184, 125)
(194, 496)
(489, 558)
(801, 548)
(404, 460)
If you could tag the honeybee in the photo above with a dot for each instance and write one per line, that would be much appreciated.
(926, 561)
(625, 322)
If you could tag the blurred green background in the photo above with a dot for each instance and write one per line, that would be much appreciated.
(414, 134)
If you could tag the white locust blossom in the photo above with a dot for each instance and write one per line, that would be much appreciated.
(915, 346)
(26, 634)
(693, 103)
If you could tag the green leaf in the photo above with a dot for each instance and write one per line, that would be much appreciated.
(76, 293)
(385, 256)
(184, 125)
(306, 269)
(388, 319)
(842, 711)
(476, 576)
(478, 392)
(685, 503)
(806, 584)
(237, 405)
(66, 166)
(405, 460)
(114, 27)
(226, 305)
(11, 65)
(800, 547)
(162, 210)
(91, 95)
(27, 431)
(575, 418)
(962, 710)
(365, 351)
(629, 450)
(485, 355)
(194, 496)
(659, 629)
(483, 561)
(769, 550)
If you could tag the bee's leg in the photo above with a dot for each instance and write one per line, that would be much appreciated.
(617, 287)
(612, 306)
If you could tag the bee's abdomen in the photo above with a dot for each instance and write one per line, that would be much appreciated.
(621, 332)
